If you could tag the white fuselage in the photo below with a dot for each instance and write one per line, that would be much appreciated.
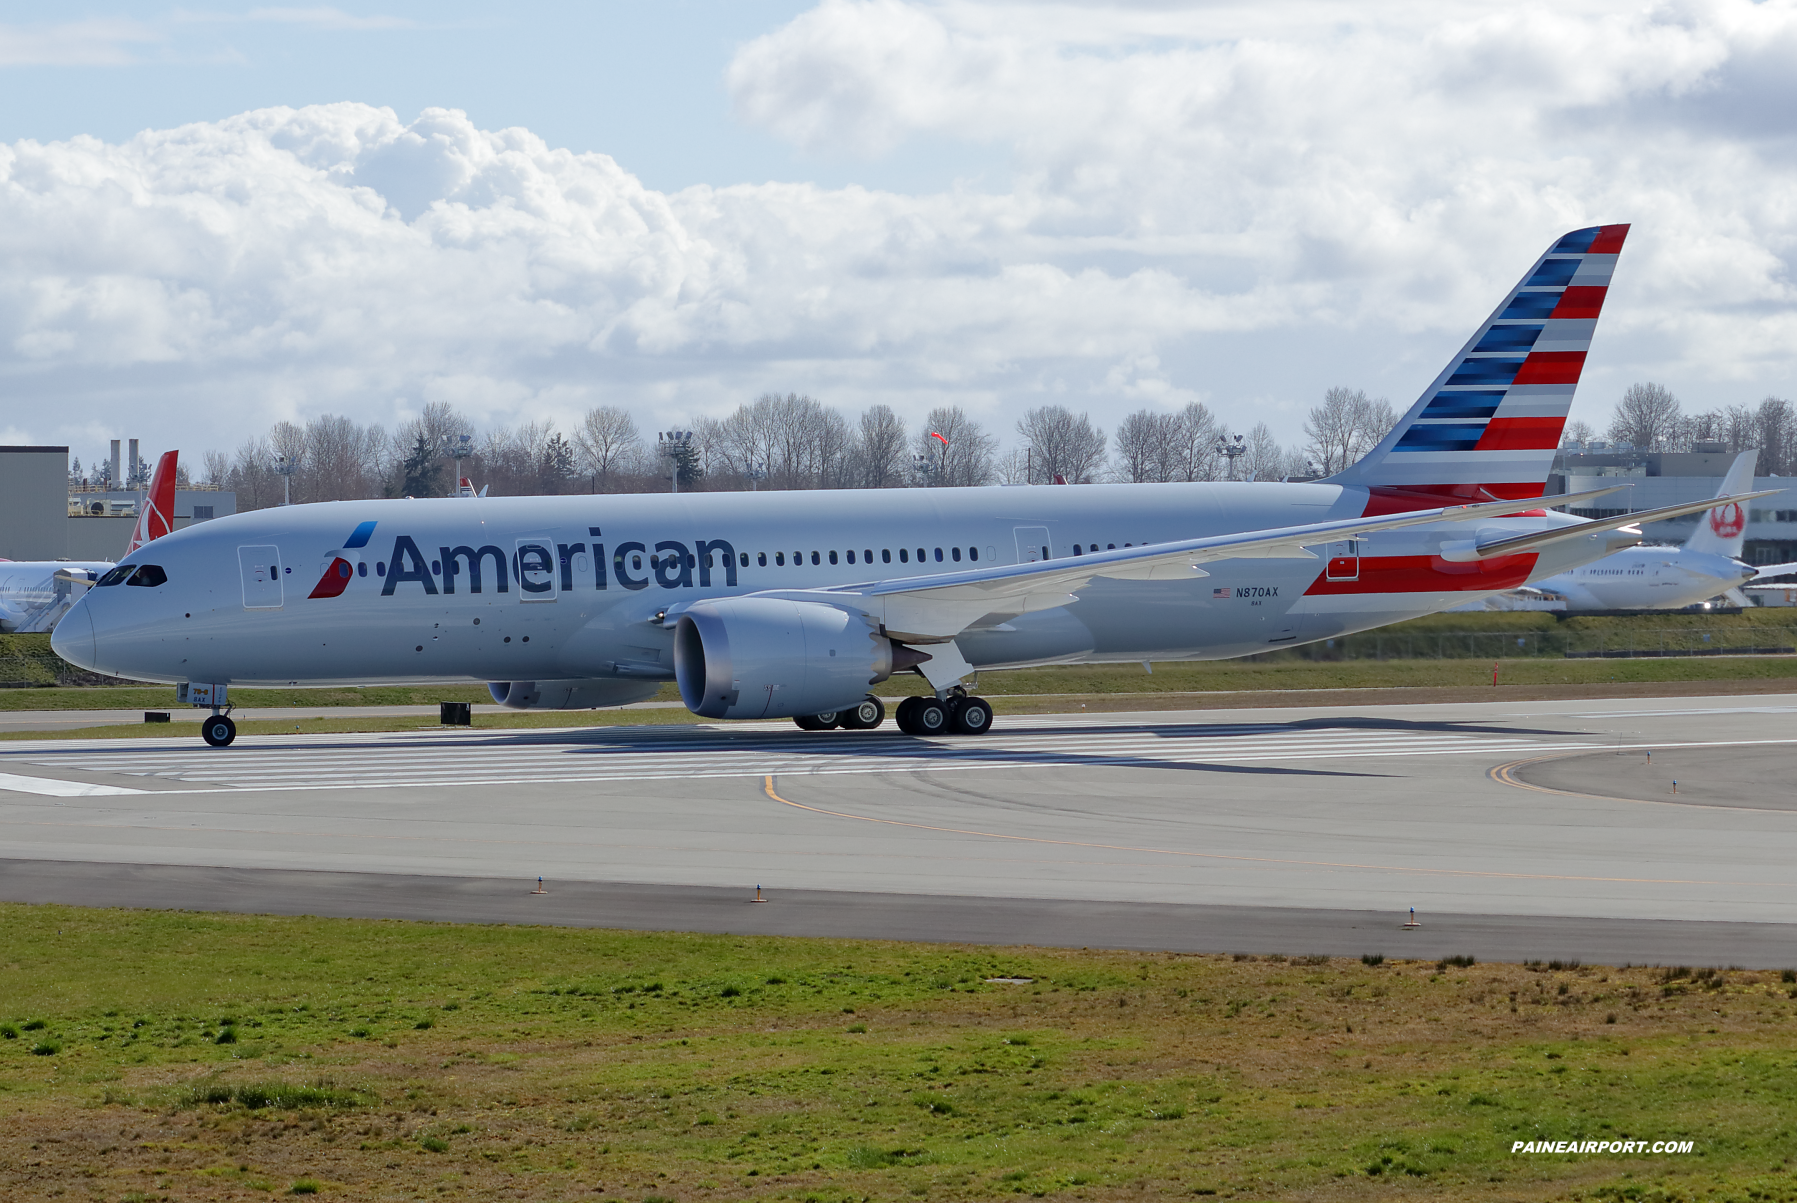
(1647, 578)
(32, 599)
(237, 605)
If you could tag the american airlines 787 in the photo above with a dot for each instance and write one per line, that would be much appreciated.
(767, 605)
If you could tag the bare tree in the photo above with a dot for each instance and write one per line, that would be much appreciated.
(879, 452)
(1776, 431)
(1577, 432)
(967, 459)
(340, 461)
(1647, 416)
(609, 445)
(1265, 459)
(1151, 447)
(1197, 452)
(1063, 444)
(216, 467)
(1345, 427)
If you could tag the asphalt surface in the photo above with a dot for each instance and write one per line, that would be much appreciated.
(1291, 830)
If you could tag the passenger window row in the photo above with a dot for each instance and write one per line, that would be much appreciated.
(953, 554)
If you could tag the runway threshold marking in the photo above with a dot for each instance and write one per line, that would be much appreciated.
(53, 788)
(768, 788)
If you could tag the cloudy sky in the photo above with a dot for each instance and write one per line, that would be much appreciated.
(215, 217)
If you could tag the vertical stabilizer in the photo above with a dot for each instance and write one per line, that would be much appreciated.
(1721, 531)
(157, 518)
(1487, 427)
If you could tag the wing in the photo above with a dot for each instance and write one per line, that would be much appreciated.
(934, 609)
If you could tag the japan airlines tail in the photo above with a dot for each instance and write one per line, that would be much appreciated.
(34, 595)
(772, 604)
(1706, 565)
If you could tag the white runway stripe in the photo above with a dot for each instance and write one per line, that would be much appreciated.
(59, 789)
(397, 760)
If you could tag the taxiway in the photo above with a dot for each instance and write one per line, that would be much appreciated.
(1520, 829)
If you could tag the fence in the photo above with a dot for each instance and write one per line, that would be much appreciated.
(1554, 644)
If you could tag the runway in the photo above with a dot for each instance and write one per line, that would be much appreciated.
(1208, 830)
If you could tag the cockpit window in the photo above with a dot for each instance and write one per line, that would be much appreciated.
(116, 576)
(149, 576)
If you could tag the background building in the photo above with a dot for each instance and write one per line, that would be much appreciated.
(1660, 478)
(43, 518)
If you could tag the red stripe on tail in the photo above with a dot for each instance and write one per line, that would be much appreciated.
(1584, 301)
(1609, 240)
(1551, 367)
(1521, 434)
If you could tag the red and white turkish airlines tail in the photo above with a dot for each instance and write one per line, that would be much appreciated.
(1487, 427)
(158, 516)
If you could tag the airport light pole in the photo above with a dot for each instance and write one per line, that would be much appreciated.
(459, 449)
(677, 447)
(1231, 451)
(286, 465)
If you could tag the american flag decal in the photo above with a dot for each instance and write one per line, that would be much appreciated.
(1216, 593)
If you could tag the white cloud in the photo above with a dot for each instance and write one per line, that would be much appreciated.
(1243, 204)
(100, 42)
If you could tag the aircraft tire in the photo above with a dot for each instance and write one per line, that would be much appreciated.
(902, 715)
(973, 716)
(218, 730)
(929, 717)
(818, 722)
(865, 717)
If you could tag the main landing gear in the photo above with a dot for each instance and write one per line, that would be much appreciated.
(957, 714)
(218, 730)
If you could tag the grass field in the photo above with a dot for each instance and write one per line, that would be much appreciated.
(201, 1057)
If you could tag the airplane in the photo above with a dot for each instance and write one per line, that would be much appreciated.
(36, 594)
(794, 604)
(1707, 564)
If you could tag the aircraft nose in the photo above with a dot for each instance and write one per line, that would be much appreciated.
(73, 638)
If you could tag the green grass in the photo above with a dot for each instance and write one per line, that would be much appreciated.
(583, 1063)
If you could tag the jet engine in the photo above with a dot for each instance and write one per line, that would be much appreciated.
(763, 657)
(570, 695)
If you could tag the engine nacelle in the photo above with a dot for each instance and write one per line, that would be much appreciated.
(762, 657)
(570, 695)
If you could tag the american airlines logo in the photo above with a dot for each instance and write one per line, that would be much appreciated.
(539, 568)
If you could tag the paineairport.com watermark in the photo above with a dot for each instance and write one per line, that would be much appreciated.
(1603, 1146)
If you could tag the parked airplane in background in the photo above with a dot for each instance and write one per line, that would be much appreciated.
(35, 594)
(764, 605)
(1670, 578)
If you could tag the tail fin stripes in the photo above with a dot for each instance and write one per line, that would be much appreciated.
(1487, 426)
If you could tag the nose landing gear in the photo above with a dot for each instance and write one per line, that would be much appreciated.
(218, 730)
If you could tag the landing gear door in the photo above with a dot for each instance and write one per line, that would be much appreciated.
(1344, 560)
(1033, 545)
(534, 567)
(261, 569)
